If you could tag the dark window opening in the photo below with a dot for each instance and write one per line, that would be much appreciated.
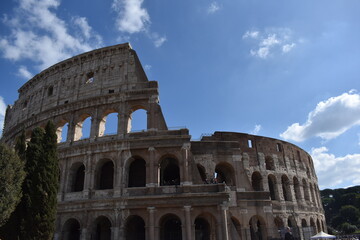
(50, 91)
(170, 172)
(286, 188)
(272, 184)
(78, 183)
(269, 163)
(111, 90)
(256, 179)
(171, 229)
(103, 229)
(137, 173)
(106, 176)
(25, 104)
(224, 173)
(202, 229)
(67, 101)
(278, 147)
(135, 228)
(71, 230)
(89, 78)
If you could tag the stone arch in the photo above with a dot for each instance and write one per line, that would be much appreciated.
(137, 109)
(71, 230)
(101, 229)
(318, 225)
(169, 171)
(81, 127)
(109, 116)
(278, 223)
(274, 193)
(62, 130)
(202, 172)
(257, 181)
(210, 219)
(235, 228)
(137, 172)
(225, 173)
(76, 177)
(297, 189)
(170, 227)
(257, 228)
(306, 190)
(269, 163)
(104, 174)
(135, 228)
(286, 188)
(312, 193)
(313, 226)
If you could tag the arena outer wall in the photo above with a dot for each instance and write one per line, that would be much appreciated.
(158, 183)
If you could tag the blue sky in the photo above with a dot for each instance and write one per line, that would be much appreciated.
(282, 69)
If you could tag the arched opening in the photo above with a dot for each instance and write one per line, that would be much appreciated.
(106, 175)
(306, 190)
(62, 132)
(293, 226)
(135, 228)
(269, 163)
(297, 189)
(272, 187)
(303, 223)
(77, 176)
(169, 172)
(286, 188)
(225, 173)
(71, 230)
(235, 229)
(109, 124)
(137, 120)
(170, 228)
(280, 227)
(257, 229)
(202, 229)
(307, 231)
(102, 229)
(202, 173)
(83, 127)
(256, 180)
(313, 227)
(137, 173)
(313, 200)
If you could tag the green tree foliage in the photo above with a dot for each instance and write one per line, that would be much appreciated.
(40, 185)
(342, 208)
(11, 177)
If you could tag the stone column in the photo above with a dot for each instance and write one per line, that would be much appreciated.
(115, 233)
(151, 211)
(188, 222)
(151, 171)
(224, 222)
(185, 158)
(89, 175)
(84, 234)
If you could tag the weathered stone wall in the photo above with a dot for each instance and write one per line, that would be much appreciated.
(156, 182)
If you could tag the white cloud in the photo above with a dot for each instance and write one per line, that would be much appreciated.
(251, 34)
(329, 119)
(147, 67)
(2, 113)
(39, 35)
(256, 129)
(132, 18)
(287, 47)
(214, 7)
(270, 41)
(24, 72)
(333, 171)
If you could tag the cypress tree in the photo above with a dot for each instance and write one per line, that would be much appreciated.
(41, 185)
(11, 229)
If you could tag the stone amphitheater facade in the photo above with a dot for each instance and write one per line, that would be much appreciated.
(158, 183)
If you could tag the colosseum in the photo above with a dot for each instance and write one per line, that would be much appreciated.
(158, 183)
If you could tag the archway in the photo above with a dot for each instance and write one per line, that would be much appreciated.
(62, 131)
(272, 187)
(170, 228)
(169, 172)
(77, 177)
(235, 229)
(297, 189)
(286, 188)
(109, 123)
(106, 175)
(202, 229)
(202, 173)
(137, 173)
(257, 228)
(83, 127)
(71, 230)
(102, 229)
(137, 120)
(135, 228)
(225, 173)
(306, 190)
